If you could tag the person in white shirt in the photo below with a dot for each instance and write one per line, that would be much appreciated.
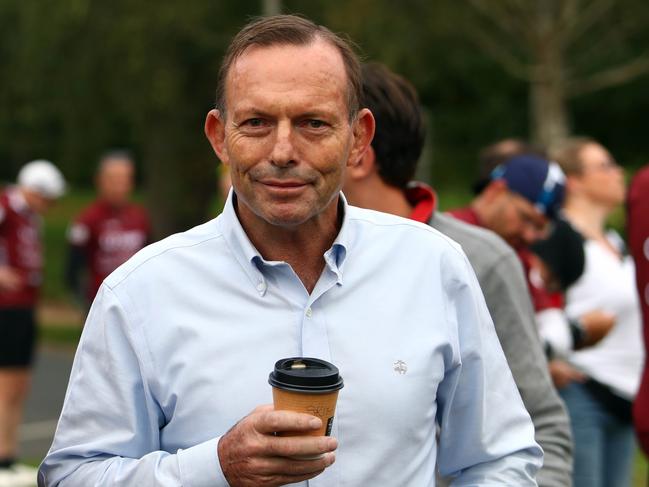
(607, 375)
(180, 340)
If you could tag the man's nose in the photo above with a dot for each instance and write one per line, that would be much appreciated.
(283, 153)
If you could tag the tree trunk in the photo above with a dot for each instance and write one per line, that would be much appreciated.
(181, 184)
(548, 111)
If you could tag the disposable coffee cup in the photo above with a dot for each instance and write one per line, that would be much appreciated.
(306, 385)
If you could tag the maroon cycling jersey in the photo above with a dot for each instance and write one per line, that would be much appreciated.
(20, 249)
(638, 233)
(109, 236)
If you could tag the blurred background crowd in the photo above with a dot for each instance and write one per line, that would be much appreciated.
(115, 94)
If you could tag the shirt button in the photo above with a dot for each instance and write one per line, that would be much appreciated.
(309, 312)
(261, 287)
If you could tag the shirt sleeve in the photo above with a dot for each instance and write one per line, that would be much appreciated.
(555, 330)
(78, 234)
(486, 435)
(109, 429)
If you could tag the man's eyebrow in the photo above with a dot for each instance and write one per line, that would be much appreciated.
(250, 112)
(316, 114)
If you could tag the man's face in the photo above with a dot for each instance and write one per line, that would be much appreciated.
(517, 220)
(38, 203)
(115, 181)
(286, 135)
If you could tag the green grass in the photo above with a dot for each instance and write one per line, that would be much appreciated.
(60, 334)
(640, 471)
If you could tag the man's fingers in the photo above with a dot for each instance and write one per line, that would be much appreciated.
(299, 446)
(263, 408)
(251, 455)
(273, 421)
(292, 467)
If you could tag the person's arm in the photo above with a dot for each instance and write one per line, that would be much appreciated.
(74, 267)
(78, 236)
(554, 330)
(10, 280)
(509, 303)
(109, 430)
(486, 435)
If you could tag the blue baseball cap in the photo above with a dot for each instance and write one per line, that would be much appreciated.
(539, 181)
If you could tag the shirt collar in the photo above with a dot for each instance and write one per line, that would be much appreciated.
(336, 256)
(467, 215)
(253, 263)
(423, 200)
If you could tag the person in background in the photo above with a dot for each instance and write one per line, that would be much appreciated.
(600, 403)
(107, 232)
(492, 156)
(179, 340)
(523, 196)
(382, 180)
(39, 184)
(638, 233)
(557, 262)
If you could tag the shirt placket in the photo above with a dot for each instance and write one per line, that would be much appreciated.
(313, 330)
(315, 343)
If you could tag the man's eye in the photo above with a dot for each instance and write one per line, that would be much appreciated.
(254, 122)
(314, 124)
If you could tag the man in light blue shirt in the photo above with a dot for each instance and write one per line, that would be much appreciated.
(180, 340)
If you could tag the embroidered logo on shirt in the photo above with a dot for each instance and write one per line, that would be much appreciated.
(400, 367)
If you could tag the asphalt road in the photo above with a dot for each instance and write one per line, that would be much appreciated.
(51, 373)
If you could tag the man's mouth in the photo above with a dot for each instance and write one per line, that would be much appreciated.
(283, 183)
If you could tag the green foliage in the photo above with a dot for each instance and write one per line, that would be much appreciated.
(85, 75)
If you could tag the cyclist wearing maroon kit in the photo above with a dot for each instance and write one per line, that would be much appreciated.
(21, 264)
(107, 232)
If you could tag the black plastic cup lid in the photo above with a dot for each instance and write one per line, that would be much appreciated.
(304, 374)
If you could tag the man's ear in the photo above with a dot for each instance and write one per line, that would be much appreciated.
(215, 133)
(363, 132)
(494, 189)
(363, 167)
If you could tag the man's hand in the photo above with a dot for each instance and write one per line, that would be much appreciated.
(596, 324)
(10, 280)
(251, 455)
(563, 373)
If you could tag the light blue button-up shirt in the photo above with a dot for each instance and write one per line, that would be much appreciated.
(180, 340)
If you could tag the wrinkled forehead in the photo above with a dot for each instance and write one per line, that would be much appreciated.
(115, 165)
(318, 65)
